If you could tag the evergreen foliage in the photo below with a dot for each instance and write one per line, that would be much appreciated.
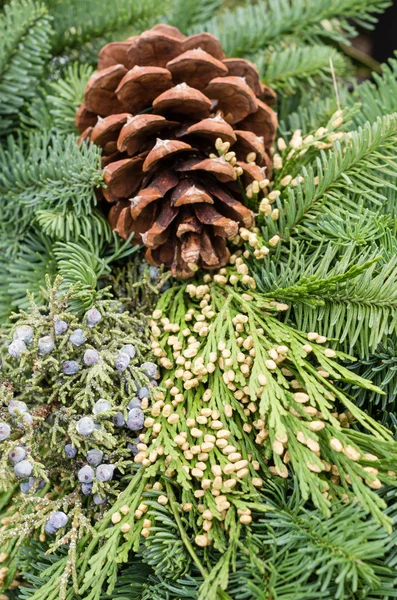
(315, 515)
(25, 33)
(249, 28)
(296, 67)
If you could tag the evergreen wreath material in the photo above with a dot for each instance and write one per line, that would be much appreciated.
(228, 437)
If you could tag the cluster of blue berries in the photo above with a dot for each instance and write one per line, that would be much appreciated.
(56, 351)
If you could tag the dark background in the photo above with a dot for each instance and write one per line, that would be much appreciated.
(383, 40)
(380, 43)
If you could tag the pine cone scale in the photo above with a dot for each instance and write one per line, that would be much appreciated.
(164, 101)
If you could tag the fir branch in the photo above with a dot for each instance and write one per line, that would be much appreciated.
(54, 107)
(350, 300)
(52, 174)
(79, 21)
(300, 67)
(186, 14)
(378, 98)
(26, 271)
(340, 174)
(381, 368)
(364, 228)
(247, 29)
(25, 33)
(86, 262)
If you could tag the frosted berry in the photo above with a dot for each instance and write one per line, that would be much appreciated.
(94, 457)
(143, 393)
(24, 333)
(122, 361)
(134, 403)
(70, 367)
(153, 273)
(86, 488)
(99, 499)
(149, 369)
(128, 349)
(105, 472)
(5, 431)
(86, 474)
(101, 406)
(17, 454)
(91, 357)
(133, 448)
(46, 345)
(70, 451)
(60, 327)
(17, 407)
(119, 420)
(16, 348)
(26, 486)
(27, 420)
(49, 528)
(135, 419)
(58, 519)
(85, 426)
(23, 469)
(77, 337)
(93, 317)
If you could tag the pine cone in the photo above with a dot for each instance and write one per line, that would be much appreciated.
(156, 106)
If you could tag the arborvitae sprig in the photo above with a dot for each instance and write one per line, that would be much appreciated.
(281, 392)
(72, 395)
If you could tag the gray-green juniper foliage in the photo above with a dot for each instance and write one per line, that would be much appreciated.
(72, 393)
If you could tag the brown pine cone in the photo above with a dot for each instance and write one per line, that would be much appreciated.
(157, 106)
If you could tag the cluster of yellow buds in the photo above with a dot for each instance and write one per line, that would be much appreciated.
(216, 385)
(223, 149)
(251, 237)
(322, 139)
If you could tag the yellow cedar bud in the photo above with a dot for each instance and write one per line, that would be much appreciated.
(329, 352)
(336, 445)
(316, 425)
(351, 453)
(198, 473)
(245, 519)
(116, 518)
(301, 397)
(202, 540)
(242, 473)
